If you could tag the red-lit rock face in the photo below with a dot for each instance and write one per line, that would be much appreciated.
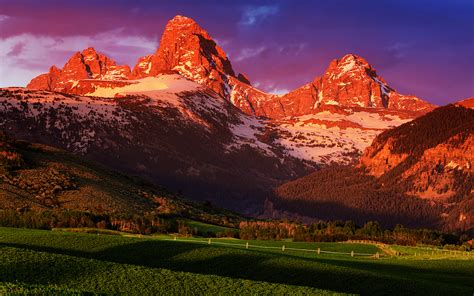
(468, 103)
(349, 82)
(46, 81)
(87, 64)
(188, 49)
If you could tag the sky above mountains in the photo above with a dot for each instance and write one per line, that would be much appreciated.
(424, 48)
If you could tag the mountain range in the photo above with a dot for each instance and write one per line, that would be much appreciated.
(183, 117)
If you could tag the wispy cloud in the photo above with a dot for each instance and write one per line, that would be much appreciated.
(275, 49)
(3, 17)
(279, 91)
(254, 14)
(294, 49)
(398, 49)
(247, 53)
(16, 49)
(270, 87)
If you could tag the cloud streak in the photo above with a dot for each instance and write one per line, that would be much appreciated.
(3, 17)
(247, 53)
(254, 14)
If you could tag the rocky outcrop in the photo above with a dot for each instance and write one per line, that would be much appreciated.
(47, 81)
(468, 103)
(253, 101)
(352, 81)
(87, 64)
(379, 161)
(443, 170)
(349, 82)
(188, 49)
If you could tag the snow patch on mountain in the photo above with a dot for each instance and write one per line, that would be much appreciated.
(60, 113)
(245, 133)
(327, 137)
(148, 86)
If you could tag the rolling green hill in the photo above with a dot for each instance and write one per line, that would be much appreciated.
(61, 262)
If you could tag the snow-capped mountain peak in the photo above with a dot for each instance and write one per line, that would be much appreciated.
(87, 64)
(351, 65)
(189, 50)
(332, 118)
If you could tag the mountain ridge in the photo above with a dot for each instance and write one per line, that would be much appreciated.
(188, 49)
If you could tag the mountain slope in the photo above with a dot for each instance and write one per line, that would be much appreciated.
(166, 128)
(417, 174)
(347, 193)
(51, 179)
(431, 156)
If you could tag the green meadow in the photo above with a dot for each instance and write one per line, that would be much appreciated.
(75, 263)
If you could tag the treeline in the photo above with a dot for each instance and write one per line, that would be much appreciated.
(337, 231)
(334, 231)
(132, 223)
(142, 224)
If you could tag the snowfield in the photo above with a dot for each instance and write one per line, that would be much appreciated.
(324, 137)
(327, 137)
(151, 86)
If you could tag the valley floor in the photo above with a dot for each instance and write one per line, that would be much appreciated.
(45, 262)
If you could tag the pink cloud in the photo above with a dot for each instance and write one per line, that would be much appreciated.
(16, 49)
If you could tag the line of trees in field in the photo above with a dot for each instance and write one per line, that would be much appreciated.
(333, 231)
(133, 223)
(336, 231)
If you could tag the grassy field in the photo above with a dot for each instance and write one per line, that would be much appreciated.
(205, 227)
(431, 253)
(69, 263)
(300, 249)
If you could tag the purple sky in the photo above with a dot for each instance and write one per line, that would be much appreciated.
(424, 48)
